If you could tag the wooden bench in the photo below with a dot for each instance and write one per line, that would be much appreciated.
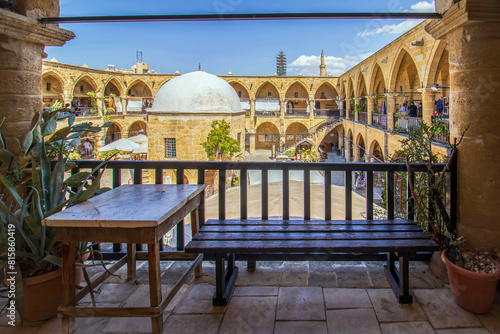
(310, 240)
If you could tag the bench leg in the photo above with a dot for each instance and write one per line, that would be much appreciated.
(251, 265)
(224, 279)
(400, 282)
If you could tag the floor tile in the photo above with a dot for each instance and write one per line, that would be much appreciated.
(420, 327)
(464, 331)
(355, 321)
(388, 308)
(322, 279)
(255, 291)
(294, 279)
(192, 323)
(141, 298)
(129, 325)
(442, 310)
(346, 298)
(197, 300)
(353, 277)
(491, 320)
(249, 315)
(300, 327)
(111, 293)
(300, 304)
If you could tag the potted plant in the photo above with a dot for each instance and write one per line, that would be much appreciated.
(31, 189)
(472, 274)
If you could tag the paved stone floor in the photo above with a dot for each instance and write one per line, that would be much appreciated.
(284, 297)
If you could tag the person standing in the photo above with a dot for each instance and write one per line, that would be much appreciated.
(88, 147)
(413, 110)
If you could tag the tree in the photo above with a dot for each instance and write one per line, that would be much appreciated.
(219, 143)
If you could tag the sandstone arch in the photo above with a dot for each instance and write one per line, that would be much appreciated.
(376, 152)
(113, 133)
(136, 127)
(267, 134)
(377, 81)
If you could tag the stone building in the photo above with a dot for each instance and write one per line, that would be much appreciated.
(182, 114)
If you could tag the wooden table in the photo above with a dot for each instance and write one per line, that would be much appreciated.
(131, 214)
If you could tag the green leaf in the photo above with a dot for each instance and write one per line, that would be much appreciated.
(12, 190)
(74, 143)
(81, 127)
(102, 191)
(37, 134)
(45, 170)
(6, 156)
(71, 119)
(76, 135)
(57, 182)
(77, 179)
(28, 140)
(56, 260)
(49, 127)
(107, 125)
(60, 134)
(94, 129)
(34, 121)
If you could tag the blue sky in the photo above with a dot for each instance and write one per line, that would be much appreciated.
(244, 48)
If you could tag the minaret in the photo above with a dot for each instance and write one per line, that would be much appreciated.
(322, 67)
(281, 63)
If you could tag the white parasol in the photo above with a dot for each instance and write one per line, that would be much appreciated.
(140, 138)
(121, 145)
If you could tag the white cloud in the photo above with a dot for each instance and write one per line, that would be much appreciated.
(309, 65)
(423, 6)
(392, 29)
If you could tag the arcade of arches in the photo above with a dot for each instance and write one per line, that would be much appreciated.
(449, 64)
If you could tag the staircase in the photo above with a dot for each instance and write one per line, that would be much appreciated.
(329, 123)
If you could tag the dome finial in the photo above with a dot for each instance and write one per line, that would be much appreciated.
(199, 66)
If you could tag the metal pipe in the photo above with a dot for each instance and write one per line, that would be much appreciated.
(237, 17)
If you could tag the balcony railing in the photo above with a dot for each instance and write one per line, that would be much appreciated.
(379, 121)
(326, 112)
(297, 112)
(405, 123)
(443, 132)
(391, 172)
(363, 117)
(267, 113)
(87, 112)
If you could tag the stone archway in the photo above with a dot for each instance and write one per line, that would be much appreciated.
(267, 100)
(113, 133)
(360, 149)
(81, 99)
(138, 127)
(267, 136)
(139, 97)
(297, 100)
(292, 131)
(376, 152)
(242, 94)
(325, 100)
(377, 82)
(53, 89)
(405, 79)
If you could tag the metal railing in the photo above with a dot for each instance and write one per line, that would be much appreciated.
(294, 112)
(267, 113)
(326, 112)
(363, 117)
(369, 170)
(443, 133)
(379, 121)
(406, 123)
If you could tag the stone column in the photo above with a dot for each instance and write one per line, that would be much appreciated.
(357, 101)
(472, 30)
(124, 105)
(428, 105)
(370, 102)
(356, 152)
(311, 110)
(341, 141)
(252, 143)
(252, 108)
(347, 150)
(391, 110)
(282, 108)
(22, 42)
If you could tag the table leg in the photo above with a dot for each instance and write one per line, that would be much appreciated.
(155, 284)
(68, 282)
(131, 261)
(195, 227)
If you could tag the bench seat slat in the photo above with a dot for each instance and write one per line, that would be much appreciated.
(311, 236)
(361, 246)
(310, 228)
(308, 222)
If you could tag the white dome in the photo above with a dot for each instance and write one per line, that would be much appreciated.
(196, 92)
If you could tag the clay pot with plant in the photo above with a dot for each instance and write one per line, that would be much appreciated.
(472, 274)
(34, 184)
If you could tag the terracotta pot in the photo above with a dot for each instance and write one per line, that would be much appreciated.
(474, 292)
(42, 296)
